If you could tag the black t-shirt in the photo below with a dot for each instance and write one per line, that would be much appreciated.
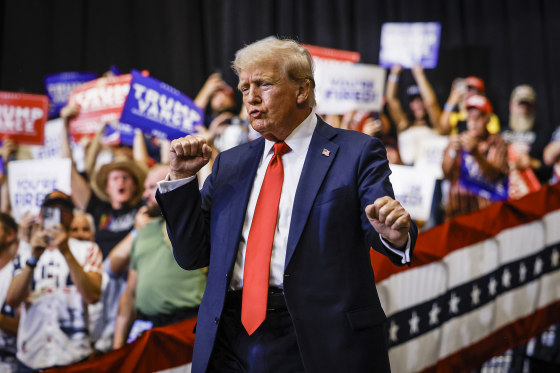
(535, 142)
(111, 225)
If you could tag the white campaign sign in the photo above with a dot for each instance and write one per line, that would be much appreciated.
(430, 155)
(409, 44)
(345, 86)
(31, 180)
(53, 145)
(53, 141)
(414, 189)
(411, 140)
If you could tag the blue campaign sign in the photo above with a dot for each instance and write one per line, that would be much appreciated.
(59, 86)
(471, 178)
(159, 109)
(118, 133)
(410, 44)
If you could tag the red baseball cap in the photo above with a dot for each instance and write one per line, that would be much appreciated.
(475, 82)
(479, 102)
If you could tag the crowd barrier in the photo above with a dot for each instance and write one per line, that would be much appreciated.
(479, 285)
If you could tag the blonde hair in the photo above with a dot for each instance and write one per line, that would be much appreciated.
(293, 57)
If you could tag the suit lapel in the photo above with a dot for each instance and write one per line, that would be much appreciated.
(318, 160)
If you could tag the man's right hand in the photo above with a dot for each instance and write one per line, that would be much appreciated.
(187, 155)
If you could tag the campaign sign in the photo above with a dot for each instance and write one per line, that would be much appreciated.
(52, 147)
(430, 154)
(159, 109)
(31, 180)
(333, 54)
(471, 178)
(344, 86)
(23, 116)
(410, 44)
(59, 86)
(411, 140)
(414, 189)
(101, 101)
(118, 133)
(521, 182)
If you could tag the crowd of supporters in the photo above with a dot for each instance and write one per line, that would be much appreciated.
(105, 272)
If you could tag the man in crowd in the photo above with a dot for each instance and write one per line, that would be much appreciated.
(158, 290)
(112, 197)
(477, 147)
(60, 276)
(527, 142)
(285, 224)
(8, 316)
(454, 115)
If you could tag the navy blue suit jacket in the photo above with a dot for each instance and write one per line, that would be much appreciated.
(329, 284)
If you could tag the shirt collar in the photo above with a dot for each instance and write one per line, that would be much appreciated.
(300, 137)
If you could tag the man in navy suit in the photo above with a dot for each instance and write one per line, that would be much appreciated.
(336, 202)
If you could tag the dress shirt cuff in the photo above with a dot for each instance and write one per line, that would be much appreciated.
(167, 185)
(405, 255)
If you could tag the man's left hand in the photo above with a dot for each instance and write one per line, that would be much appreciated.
(390, 220)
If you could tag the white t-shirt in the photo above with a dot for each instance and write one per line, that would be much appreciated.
(53, 327)
(7, 341)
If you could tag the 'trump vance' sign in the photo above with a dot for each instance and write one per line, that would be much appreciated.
(159, 109)
(23, 116)
(101, 102)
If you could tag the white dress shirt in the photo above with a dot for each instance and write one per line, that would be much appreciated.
(293, 161)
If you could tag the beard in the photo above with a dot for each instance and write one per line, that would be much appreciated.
(521, 123)
(153, 211)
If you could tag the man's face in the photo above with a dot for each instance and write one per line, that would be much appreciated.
(121, 186)
(477, 121)
(271, 100)
(80, 228)
(150, 187)
(522, 115)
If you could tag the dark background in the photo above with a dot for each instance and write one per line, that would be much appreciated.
(506, 42)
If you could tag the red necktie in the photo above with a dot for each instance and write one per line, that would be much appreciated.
(259, 244)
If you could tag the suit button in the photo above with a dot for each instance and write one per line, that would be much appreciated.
(216, 320)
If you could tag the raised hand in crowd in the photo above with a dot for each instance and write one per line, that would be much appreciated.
(376, 126)
(469, 142)
(8, 149)
(27, 224)
(393, 103)
(428, 97)
(216, 128)
(422, 109)
(213, 84)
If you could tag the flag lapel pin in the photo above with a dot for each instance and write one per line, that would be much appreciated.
(326, 152)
